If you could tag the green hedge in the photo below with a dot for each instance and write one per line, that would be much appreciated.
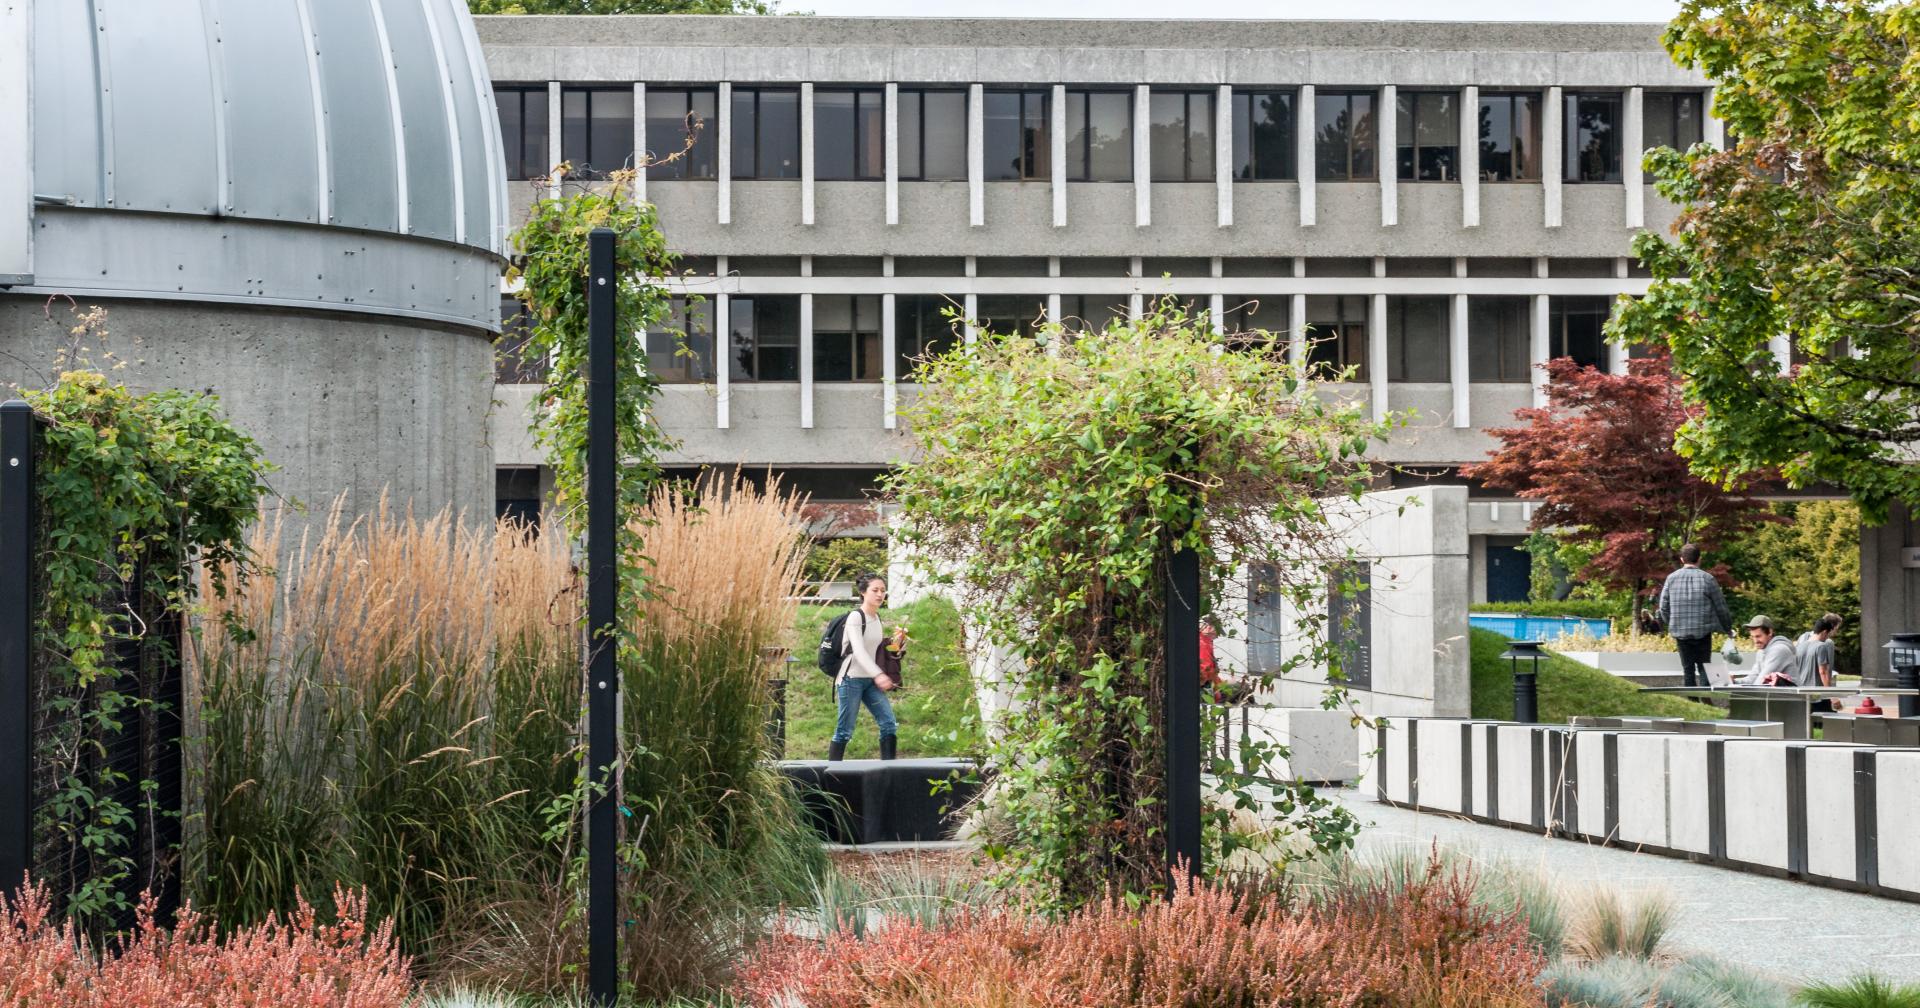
(1585, 608)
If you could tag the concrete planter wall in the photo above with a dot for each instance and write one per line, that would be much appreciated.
(1809, 810)
(1645, 666)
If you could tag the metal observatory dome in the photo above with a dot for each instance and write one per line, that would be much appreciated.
(299, 204)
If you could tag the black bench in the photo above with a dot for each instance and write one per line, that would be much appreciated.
(883, 801)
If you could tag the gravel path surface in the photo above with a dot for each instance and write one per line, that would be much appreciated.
(1775, 925)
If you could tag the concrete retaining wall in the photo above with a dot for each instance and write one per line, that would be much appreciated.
(1801, 809)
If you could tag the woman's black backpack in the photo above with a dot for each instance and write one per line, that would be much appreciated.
(833, 642)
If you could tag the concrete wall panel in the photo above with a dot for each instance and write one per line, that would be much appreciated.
(1687, 794)
(1518, 754)
(1830, 812)
(1898, 817)
(1756, 783)
(1643, 789)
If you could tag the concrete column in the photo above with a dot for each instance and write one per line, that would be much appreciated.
(1377, 354)
(1386, 158)
(1457, 363)
(1781, 346)
(1142, 156)
(1540, 349)
(1297, 331)
(1057, 148)
(1552, 172)
(1889, 590)
(723, 157)
(639, 140)
(1714, 128)
(1223, 153)
(889, 364)
(1633, 146)
(970, 304)
(1617, 352)
(554, 156)
(1303, 152)
(806, 362)
(1217, 312)
(1470, 157)
(722, 354)
(892, 158)
(806, 154)
(976, 157)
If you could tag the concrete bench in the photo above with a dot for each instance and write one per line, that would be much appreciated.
(882, 801)
(1735, 728)
(1868, 729)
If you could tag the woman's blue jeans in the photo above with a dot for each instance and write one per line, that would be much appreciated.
(851, 693)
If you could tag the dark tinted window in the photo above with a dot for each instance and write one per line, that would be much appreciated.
(922, 329)
(511, 365)
(846, 338)
(1417, 339)
(1510, 136)
(1671, 119)
(1574, 329)
(681, 128)
(1255, 320)
(766, 337)
(1427, 135)
(680, 345)
(1263, 135)
(1337, 333)
(1499, 336)
(1592, 137)
(1182, 136)
(1099, 136)
(766, 133)
(1344, 136)
(1009, 314)
(596, 130)
(849, 134)
(523, 130)
(1015, 137)
(1091, 312)
(933, 135)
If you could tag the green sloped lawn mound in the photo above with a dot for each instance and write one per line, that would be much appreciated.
(1567, 687)
(934, 709)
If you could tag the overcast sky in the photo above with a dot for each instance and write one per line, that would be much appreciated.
(1393, 10)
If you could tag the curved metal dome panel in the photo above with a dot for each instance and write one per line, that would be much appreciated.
(371, 114)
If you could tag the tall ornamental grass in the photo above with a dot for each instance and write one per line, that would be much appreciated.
(399, 709)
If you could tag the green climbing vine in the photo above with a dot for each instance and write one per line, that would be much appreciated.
(551, 265)
(130, 489)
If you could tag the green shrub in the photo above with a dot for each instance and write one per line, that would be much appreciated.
(1867, 991)
(1583, 608)
(844, 559)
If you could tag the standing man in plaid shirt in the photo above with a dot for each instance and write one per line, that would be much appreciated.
(1692, 608)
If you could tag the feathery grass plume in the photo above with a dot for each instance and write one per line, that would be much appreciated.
(1607, 923)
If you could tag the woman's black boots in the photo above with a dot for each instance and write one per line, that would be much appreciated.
(835, 750)
(888, 745)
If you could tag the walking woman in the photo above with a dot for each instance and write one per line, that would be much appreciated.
(861, 680)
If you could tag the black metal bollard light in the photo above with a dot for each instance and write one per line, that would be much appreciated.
(1903, 656)
(1524, 657)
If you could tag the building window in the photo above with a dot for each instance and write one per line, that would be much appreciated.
(766, 133)
(849, 134)
(511, 366)
(1090, 313)
(924, 326)
(1009, 314)
(765, 330)
(676, 116)
(680, 345)
(1337, 334)
(523, 130)
(1344, 143)
(1181, 135)
(1427, 136)
(846, 338)
(1263, 136)
(1574, 329)
(1099, 136)
(596, 130)
(1671, 119)
(1592, 137)
(933, 135)
(1015, 135)
(1417, 340)
(1266, 616)
(516, 496)
(1254, 321)
(1510, 136)
(1499, 338)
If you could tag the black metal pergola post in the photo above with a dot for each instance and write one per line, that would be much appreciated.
(603, 587)
(16, 641)
(1183, 713)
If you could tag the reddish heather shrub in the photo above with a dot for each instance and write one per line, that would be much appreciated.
(1424, 946)
(297, 963)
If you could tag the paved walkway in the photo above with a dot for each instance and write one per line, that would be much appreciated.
(1775, 925)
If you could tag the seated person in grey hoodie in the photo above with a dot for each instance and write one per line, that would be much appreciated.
(1776, 664)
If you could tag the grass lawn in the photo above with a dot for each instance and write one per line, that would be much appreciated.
(1567, 688)
(931, 707)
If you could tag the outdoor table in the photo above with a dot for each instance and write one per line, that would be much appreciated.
(1792, 706)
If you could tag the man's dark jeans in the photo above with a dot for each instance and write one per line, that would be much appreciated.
(1695, 652)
